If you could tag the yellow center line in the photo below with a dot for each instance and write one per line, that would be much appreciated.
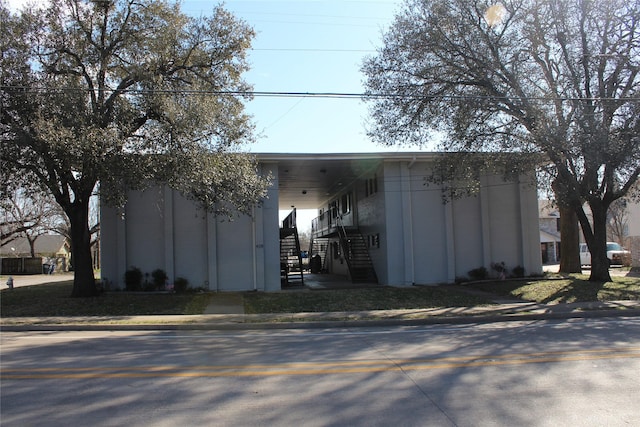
(319, 368)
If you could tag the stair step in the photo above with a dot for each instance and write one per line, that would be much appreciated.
(358, 259)
(291, 268)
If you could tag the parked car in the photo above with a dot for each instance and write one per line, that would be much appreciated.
(617, 254)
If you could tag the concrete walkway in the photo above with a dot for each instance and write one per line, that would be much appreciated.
(413, 317)
(226, 303)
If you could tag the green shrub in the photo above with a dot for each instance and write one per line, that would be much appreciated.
(133, 279)
(518, 271)
(479, 273)
(159, 278)
(181, 284)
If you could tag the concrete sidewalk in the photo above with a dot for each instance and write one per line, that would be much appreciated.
(519, 311)
(226, 303)
(20, 280)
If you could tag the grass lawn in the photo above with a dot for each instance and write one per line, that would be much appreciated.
(383, 298)
(575, 288)
(54, 299)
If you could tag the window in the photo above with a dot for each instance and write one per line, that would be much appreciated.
(371, 186)
(345, 203)
(333, 207)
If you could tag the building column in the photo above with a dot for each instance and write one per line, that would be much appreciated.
(450, 236)
(169, 251)
(407, 225)
(212, 253)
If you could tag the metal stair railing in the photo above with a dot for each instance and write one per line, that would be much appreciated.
(288, 232)
(344, 241)
(349, 254)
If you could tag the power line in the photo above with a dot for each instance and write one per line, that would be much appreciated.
(286, 94)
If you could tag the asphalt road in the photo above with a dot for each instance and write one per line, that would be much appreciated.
(575, 372)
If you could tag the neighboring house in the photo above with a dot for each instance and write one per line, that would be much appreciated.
(378, 221)
(549, 218)
(633, 219)
(632, 241)
(51, 248)
(550, 242)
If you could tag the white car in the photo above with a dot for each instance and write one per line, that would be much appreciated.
(617, 254)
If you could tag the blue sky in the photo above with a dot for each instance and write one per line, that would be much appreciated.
(310, 46)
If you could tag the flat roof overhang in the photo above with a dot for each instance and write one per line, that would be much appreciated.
(309, 181)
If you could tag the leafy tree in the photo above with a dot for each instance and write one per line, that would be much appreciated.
(542, 77)
(125, 94)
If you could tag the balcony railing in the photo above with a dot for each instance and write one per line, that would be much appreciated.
(327, 223)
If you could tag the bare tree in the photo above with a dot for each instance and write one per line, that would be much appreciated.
(29, 215)
(618, 221)
(553, 78)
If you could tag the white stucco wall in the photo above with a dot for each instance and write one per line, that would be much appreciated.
(422, 240)
(190, 240)
(467, 235)
(143, 216)
(428, 241)
(159, 228)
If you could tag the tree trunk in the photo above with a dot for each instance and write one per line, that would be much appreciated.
(596, 239)
(570, 241)
(598, 244)
(32, 246)
(83, 279)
